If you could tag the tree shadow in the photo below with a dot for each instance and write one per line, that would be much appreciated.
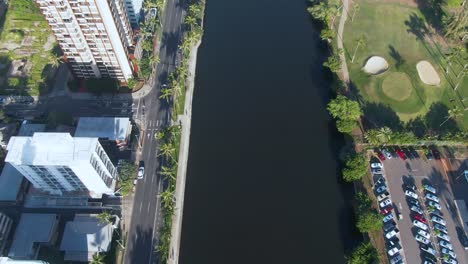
(396, 56)
(432, 11)
(417, 126)
(380, 115)
(416, 26)
(138, 245)
(435, 118)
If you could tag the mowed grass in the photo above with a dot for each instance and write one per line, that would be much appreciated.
(23, 18)
(397, 86)
(389, 32)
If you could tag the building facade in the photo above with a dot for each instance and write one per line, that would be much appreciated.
(133, 10)
(5, 228)
(58, 163)
(95, 36)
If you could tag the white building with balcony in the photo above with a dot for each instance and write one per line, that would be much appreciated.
(95, 36)
(58, 163)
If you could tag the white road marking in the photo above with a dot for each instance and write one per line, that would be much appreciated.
(141, 204)
(149, 206)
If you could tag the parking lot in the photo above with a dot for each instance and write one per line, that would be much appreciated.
(400, 176)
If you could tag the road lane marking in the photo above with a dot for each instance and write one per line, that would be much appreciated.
(141, 204)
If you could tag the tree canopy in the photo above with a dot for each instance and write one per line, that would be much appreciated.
(356, 168)
(344, 108)
(364, 253)
(369, 221)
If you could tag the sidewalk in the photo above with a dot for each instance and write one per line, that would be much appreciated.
(344, 66)
(186, 120)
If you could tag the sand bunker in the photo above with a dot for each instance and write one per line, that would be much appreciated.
(376, 65)
(427, 73)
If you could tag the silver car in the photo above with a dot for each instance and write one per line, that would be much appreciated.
(448, 252)
(443, 236)
(445, 244)
(438, 220)
(432, 197)
(422, 239)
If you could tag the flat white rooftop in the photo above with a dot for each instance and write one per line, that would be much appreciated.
(112, 128)
(50, 149)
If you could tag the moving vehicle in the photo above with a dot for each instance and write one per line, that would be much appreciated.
(429, 250)
(411, 194)
(416, 209)
(424, 234)
(438, 220)
(432, 197)
(434, 204)
(420, 218)
(422, 239)
(445, 244)
(429, 188)
(383, 196)
(141, 170)
(448, 252)
(385, 203)
(420, 225)
(441, 228)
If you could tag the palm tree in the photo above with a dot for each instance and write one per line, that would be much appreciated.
(333, 63)
(356, 8)
(97, 259)
(190, 21)
(460, 77)
(168, 173)
(453, 113)
(319, 12)
(105, 218)
(167, 197)
(361, 41)
(372, 136)
(384, 134)
(195, 10)
(166, 93)
(55, 60)
(160, 135)
(166, 150)
(327, 34)
(148, 45)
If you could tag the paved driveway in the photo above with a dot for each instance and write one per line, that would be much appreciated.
(420, 171)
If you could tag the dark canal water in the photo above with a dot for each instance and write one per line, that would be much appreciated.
(262, 183)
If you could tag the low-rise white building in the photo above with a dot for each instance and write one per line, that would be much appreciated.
(58, 163)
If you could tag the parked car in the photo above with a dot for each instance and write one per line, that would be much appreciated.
(445, 244)
(387, 153)
(414, 202)
(394, 250)
(438, 220)
(392, 233)
(443, 236)
(385, 203)
(408, 153)
(396, 259)
(376, 171)
(435, 153)
(386, 210)
(429, 249)
(429, 188)
(379, 181)
(420, 218)
(423, 234)
(388, 218)
(380, 155)
(436, 212)
(414, 152)
(434, 204)
(141, 170)
(449, 261)
(410, 186)
(389, 226)
(441, 228)
(448, 252)
(422, 239)
(429, 155)
(401, 154)
(383, 196)
(411, 194)
(420, 225)
(432, 197)
(416, 209)
(381, 189)
(376, 165)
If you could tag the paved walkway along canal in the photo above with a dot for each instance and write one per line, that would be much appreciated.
(262, 178)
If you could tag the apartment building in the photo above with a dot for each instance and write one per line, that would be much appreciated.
(58, 163)
(133, 11)
(5, 227)
(95, 36)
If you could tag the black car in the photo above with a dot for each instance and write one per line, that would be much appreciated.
(435, 153)
(429, 154)
(414, 152)
(389, 226)
(408, 153)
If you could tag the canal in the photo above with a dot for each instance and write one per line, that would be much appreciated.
(262, 181)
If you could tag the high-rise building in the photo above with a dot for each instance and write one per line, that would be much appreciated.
(58, 163)
(133, 10)
(95, 36)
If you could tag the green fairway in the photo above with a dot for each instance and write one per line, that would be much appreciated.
(396, 32)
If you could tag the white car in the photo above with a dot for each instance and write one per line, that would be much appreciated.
(441, 228)
(393, 251)
(383, 196)
(411, 194)
(438, 220)
(429, 188)
(443, 236)
(387, 153)
(448, 252)
(423, 233)
(422, 239)
(376, 165)
(449, 261)
(392, 233)
(381, 189)
(432, 197)
(388, 218)
(420, 224)
(434, 204)
(385, 203)
(429, 250)
(445, 244)
(416, 209)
